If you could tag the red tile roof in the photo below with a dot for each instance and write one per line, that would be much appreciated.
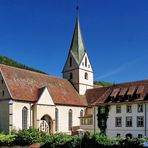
(27, 85)
(103, 95)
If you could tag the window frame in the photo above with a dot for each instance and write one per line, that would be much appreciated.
(129, 123)
(140, 108)
(24, 117)
(117, 123)
(141, 121)
(129, 108)
(70, 118)
(118, 109)
(56, 119)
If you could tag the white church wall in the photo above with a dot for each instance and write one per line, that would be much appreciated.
(4, 116)
(63, 117)
(112, 130)
(17, 114)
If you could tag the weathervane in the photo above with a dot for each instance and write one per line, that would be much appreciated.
(77, 7)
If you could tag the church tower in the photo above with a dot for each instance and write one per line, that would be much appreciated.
(78, 69)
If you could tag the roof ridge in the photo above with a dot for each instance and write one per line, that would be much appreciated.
(131, 82)
(26, 70)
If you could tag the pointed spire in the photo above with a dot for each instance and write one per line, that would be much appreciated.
(77, 47)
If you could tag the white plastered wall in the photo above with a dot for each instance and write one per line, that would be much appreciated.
(17, 114)
(63, 117)
(112, 130)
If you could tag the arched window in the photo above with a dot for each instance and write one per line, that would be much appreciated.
(86, 75)
(70, 119)
(71, 76)
(129, 135)
(56, 119)
(85, 61)
(24, 118)
(70, 61)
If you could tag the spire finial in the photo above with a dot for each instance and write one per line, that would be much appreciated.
(77, 7)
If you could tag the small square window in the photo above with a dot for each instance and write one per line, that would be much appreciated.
(140, 108)
(118, 109)
(140, 136)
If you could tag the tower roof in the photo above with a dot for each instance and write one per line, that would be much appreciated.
(77, 47)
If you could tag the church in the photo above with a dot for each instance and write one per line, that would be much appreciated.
(51, 104)
(54, 105)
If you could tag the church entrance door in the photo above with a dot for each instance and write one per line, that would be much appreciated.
(46, 124)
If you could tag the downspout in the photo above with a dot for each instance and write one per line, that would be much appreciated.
(30, 116)
(94, 120)
(145, 119)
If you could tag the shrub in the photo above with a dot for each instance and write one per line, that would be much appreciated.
(62, 141)
(30, 136)
(7, 140)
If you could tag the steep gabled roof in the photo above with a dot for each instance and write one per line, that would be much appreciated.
(137, 91)
(26, 85)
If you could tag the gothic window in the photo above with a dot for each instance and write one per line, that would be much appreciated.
(86, 76)
(71, 76)
(85, 61)
(56, 119)
(24, 118)
(70, 119)
(70, 61)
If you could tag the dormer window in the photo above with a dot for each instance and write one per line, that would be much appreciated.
(129, 97)
(70, 61)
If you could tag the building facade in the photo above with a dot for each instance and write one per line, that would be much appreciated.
(53, 105)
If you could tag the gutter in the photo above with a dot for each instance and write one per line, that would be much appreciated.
(145, 119)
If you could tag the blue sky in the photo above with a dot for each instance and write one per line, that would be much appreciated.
(38, 33)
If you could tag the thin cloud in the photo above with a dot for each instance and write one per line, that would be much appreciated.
(118, 70)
